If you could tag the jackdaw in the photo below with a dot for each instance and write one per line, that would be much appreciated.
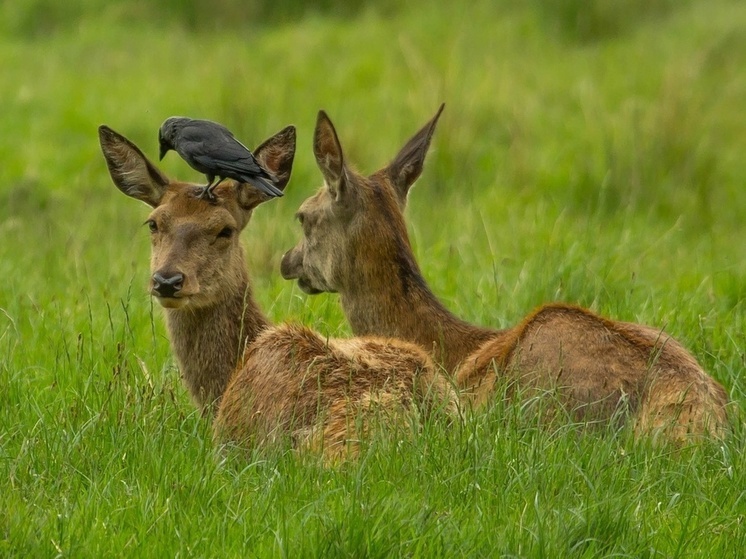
(210, 148)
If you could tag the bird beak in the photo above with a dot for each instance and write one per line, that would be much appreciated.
(164, 151)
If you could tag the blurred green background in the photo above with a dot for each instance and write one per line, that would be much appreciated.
(591, 151)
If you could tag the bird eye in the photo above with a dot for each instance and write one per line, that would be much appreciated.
(152, 225)
(300, 217)
(225, 233)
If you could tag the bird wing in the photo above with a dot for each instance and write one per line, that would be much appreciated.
(220, 151)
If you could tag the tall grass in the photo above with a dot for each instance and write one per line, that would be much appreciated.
(590, 152)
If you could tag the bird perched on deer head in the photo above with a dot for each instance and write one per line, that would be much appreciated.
(210, 148)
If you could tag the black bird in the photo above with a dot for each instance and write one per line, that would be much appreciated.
(210, 148)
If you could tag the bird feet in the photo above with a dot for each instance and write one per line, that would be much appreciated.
(208, 193)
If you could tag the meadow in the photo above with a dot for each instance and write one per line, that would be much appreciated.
(590, 152)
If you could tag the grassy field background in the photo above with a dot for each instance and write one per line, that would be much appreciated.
(590, 152)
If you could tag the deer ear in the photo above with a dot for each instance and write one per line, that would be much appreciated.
(407, 166)
(131, 171)
(276, 155)
(329, 156)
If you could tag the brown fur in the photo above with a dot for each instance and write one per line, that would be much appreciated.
(261, 381)
(355, 242)
(332, 393)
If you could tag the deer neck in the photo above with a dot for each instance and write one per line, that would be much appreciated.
(209, 341)
(392, 299)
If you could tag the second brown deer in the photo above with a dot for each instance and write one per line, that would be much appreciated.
(355, 242)
(260, 381)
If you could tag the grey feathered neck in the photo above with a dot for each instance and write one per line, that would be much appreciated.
(171, 125)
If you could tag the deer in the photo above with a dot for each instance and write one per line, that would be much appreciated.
(355, 243)
(255, 381)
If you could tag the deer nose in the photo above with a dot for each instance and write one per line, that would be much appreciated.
(289, 265)
(167, 285)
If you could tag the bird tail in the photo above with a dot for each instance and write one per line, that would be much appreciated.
(265, 185)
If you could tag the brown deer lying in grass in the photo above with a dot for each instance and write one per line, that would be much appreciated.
(258, 380)
(355, 243)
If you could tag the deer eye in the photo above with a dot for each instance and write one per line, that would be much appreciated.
(225, 233)
(152, 225)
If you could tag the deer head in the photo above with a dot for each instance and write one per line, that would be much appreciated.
(354, 222)
(196, 257)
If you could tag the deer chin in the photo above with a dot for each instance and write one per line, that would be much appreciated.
(172, 302)
(307, 288)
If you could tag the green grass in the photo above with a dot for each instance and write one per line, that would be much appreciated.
(590, 152)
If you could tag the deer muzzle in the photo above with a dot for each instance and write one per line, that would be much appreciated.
(167, 284)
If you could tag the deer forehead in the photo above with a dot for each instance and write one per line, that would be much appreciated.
(312, 207)
(195, 218)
